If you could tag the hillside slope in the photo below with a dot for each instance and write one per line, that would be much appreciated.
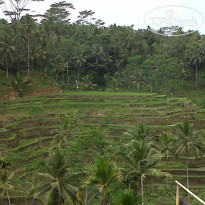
(36, 84)
(26, 124)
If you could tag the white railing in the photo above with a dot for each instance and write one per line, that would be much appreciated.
(179, 185)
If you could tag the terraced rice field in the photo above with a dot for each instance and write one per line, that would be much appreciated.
(25, 124)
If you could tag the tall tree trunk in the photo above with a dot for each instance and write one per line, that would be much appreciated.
(142, 190)
(187, 169)
(195, 75)
(25, 194)
(78, 75)
(138, 85)
(32, 201)
(167, 178)
(86, 195)
(118, 70)
(28, 55)
(97, 60)
(150, 48)
(16, 42)
(105, 198)
(57, 75)
(8, 196)
(45, 70)
(7, 69)
(61, 201)
(16, 53)
(67, 75)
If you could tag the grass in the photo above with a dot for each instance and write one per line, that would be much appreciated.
(40, 83)
(27, 122)
(11, 137)
(108, 94)
(28, 142)
(196, 96)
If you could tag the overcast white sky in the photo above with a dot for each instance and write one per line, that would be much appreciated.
(121, 12)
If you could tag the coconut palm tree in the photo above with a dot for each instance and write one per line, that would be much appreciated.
(28, 26)
(68, 126)
(21, 83)
(188, 143)
(6, 51)
(79, 61)
(140, 132)
(98, 53)
(166, 142)
(88, 82)
(118, 64)
(128, 198)
(142, 161)
(54, 182)
(5, 177)
(195, 53)
(103, 174)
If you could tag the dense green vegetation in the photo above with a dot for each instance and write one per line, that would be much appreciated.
(92, 147)
(109, 147)
(113, 58)
(21, 86)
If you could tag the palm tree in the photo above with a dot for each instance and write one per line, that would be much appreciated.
(20, 83)
(53, 182)
(29, 23)
(107, 61)
(140, 132)
(118, 64)
(138, 78)
(98, 53)
(150, 38)
(166, 144)
(88, 82)
(79, 61)
(103, 174)
(128, 198)
(142, 161)
(188, 143)
(195, 54)
(68, 126)
(166, 147)
(6, 50)
(5, 177)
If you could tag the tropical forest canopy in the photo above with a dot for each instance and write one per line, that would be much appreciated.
(113, 57)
